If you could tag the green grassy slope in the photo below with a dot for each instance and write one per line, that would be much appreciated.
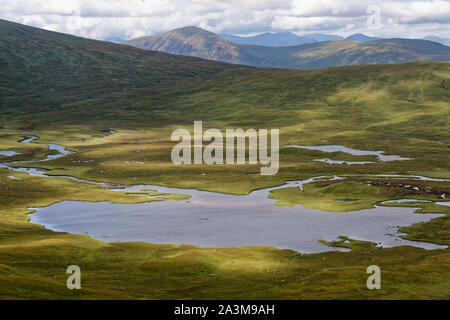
(197, 42)
(50, 68)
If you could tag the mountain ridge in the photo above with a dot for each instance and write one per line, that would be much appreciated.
(205, 44)
(277, 39)
(288, 39)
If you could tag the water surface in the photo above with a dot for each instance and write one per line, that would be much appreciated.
(211, 219)
(356, 152)
(8, 153)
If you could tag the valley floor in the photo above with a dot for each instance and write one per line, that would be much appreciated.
(33, 260)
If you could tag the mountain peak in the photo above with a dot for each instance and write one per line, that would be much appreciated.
(191, 30)
(361, 37)
(190, 40)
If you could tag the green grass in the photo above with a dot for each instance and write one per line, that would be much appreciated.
(359, 193)
(352, 244)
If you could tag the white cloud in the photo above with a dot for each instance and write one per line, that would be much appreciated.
(101, 19)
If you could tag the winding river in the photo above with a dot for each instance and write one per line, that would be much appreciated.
(212, 219)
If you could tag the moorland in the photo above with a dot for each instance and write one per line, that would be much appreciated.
(74, 92)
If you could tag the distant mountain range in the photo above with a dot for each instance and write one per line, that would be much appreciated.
(278, 39)
(193, 41)
(285, 39)
(324, 37)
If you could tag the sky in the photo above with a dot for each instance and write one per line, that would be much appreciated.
(107, 19)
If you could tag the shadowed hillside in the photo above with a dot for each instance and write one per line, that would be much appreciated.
(53, 68)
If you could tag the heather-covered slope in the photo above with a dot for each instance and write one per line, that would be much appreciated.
(48, 65)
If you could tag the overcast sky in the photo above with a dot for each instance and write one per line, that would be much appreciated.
(103, 19)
